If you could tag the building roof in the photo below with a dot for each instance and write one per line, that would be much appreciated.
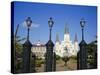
(35, 45)
(38, 44)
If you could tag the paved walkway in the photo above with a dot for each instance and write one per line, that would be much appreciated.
(71, 65)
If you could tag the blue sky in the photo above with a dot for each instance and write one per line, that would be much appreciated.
(61, 14)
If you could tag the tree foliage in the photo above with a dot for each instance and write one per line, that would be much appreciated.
(92, 54)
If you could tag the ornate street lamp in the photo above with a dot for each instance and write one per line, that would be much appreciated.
(27, 49)
(82, 54)
(28, 23)
(50, 64)
(82, 23)
(50, 23)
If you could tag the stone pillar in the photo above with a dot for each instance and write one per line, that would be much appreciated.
(26, 56)
(49, 56)
(54, 61)
(82, 56)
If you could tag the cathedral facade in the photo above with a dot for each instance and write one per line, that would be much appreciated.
(66, 46)
(62, 48)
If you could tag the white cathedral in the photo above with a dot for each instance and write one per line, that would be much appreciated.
(66, 47)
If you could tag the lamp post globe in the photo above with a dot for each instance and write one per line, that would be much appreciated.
(82, 22)
(28, 22)
(50, 22)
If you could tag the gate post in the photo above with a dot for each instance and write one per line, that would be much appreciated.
(49, 56)
(27, 48)
(54, 61)
(82, 54)
(26, 56)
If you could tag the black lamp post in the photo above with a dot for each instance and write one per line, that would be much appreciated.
(28, 23)
(82, 54)
(50, 23)
(82, 23)
(49, 57)
(27, 48)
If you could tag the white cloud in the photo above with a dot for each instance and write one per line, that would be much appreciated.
(34, 25)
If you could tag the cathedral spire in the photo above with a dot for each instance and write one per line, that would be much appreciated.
(75, 38)
(66, 29)
(57, 37)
